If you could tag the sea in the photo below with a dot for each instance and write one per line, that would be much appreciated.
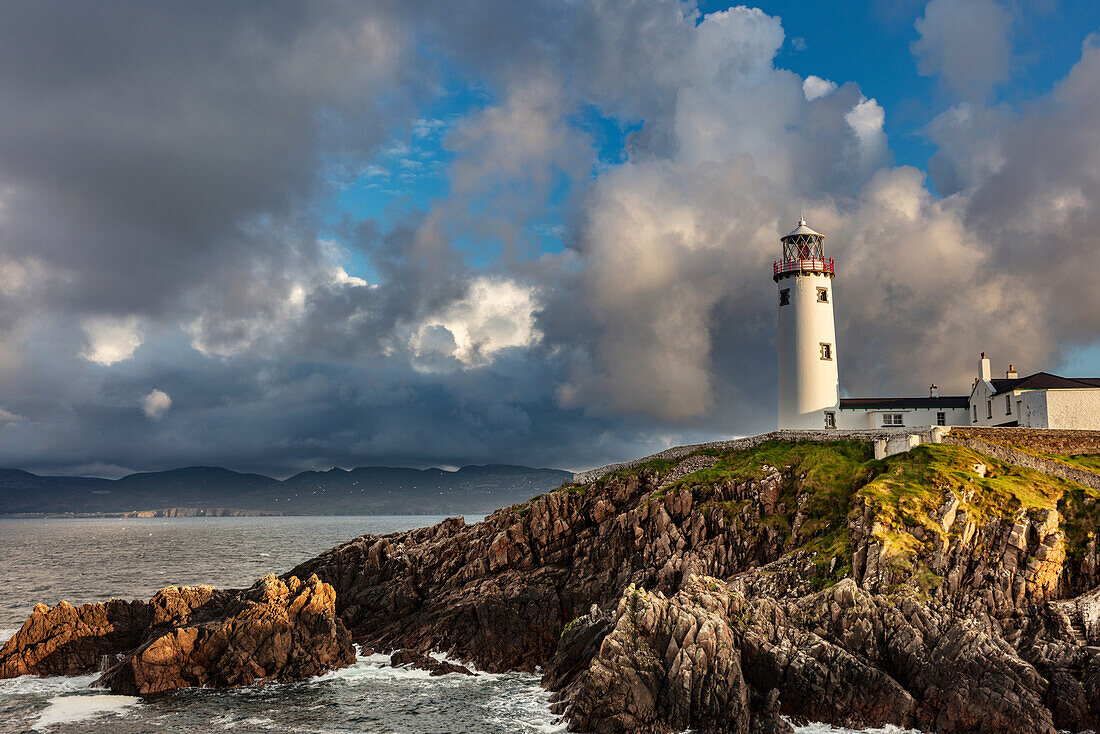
(88, 560)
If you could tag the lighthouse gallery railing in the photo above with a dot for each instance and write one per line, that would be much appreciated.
(802, 265)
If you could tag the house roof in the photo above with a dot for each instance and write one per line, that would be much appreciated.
(1045, 381)
(950, 401)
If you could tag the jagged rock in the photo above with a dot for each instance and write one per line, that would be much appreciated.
(275, 631)
(188, 636)
(420, 661)
(768, 718)
(68, 640)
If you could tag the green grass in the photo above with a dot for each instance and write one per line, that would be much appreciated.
(912, 488)
(837, 481)
(1088, 462)
(913, 485)
(829, 473)
(661, 465)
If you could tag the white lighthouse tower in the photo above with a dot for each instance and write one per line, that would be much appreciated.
(808, 382)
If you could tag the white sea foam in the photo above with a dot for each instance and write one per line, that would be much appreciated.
(232, 722)
(375, 667)
(815, 728)
(69, 709)
(28, 685)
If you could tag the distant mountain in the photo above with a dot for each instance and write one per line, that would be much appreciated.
(376, 490)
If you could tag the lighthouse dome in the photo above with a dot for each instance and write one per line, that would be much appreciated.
(801, 229)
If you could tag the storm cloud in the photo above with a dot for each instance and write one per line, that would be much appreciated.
(180, 284)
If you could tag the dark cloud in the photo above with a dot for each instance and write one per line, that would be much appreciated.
(167, 296)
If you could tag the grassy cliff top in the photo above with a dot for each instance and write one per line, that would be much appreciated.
(829, 484)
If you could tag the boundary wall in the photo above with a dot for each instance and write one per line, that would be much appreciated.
(1018, 457)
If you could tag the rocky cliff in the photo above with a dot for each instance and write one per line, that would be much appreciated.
(277, 630)
(940, 589)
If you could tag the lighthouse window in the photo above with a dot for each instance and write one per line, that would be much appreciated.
(785, 297)
(826, 351)
(822, 295)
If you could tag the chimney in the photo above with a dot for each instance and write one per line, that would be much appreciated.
(984, 370)
(1012, 374)
(933, 392)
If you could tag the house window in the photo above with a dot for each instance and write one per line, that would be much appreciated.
(941, 418)
(822, 295)
(830, 419)
(974, 408)
(892, 419)
(826, 351)
(988, 408)
(1008, 405)
(785, 297)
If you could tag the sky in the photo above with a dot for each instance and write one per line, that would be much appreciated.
(295, 235)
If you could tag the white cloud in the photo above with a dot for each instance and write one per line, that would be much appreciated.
(495, 314)
(156, 404)
(814, 87)
(425, 127)
(966, 43)
(866, 120)
(111, 339)
(8, 418)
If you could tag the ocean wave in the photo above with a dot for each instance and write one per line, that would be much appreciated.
(229, 721)
(816, 728)
(69, 709)
(6, 633)
(29, 685)
(373, 667)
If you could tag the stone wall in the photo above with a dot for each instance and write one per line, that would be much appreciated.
(1043, 440)
(1022, 458)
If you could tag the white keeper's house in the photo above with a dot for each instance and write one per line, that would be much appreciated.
(809, 385)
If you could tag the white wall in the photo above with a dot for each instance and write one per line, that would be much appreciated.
(1073, 409)
(865, 418)
(1031, 407)
(808, 385)
(980, 396)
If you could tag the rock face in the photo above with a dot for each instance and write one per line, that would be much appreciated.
(410, 659)
(711, 591)
(277, 630)
(68, 640)
(913, 592)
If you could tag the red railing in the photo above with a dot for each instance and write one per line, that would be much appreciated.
(802, 265)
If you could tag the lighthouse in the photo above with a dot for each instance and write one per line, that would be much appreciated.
(807, 370)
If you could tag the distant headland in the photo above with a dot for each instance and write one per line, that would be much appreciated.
(203, 491)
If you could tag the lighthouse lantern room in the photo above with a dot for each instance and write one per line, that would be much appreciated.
(808, 377)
